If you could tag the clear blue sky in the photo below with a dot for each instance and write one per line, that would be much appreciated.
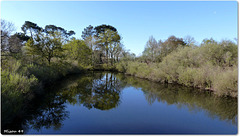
(135, 21)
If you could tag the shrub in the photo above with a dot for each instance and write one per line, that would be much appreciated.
(226, 82)
(186, 76)
(199, 79)
(203, 67)
(157, 74)
(50, 73)
(121, 66)
(13, 83)
(13, 88)
(132, 68)
(11, 65)
(143, 70)
(170, 65)
(105, 66)
(209, 66)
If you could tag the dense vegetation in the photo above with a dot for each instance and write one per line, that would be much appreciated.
(39, 56)
(211, 66)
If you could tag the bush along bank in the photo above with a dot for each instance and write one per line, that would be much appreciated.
(198, 67)
(21, 83)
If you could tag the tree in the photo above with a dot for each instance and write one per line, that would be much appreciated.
(88, 32)
(155, 51)
(51, 29)
(114, 47)
(152, 49)
(77, 50)
(46, 45)
(117, 52)
(7, 29)
(190, 41)
(208, 41)
(102, 28)
(102, 40)
(107, 40)
(171, 44)
(90, 40)
(127, 55)
(23, 37)
(31, 27)
(15, 44)
(100, 31)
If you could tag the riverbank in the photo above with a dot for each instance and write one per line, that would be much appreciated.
(21, 83)
(222, 82)
(212, 66)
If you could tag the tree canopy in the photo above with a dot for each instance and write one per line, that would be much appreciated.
(31, 27)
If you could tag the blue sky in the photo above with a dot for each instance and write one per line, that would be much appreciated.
(135, 21)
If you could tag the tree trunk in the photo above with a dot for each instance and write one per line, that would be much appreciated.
(49, 61)
(106, 81)
(100, 58)
(111, 59)
(92, 54)
(107, 56)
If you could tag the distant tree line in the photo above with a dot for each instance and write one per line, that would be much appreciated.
(99, 45)
(155, 51)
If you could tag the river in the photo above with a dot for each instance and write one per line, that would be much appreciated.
(113, 103)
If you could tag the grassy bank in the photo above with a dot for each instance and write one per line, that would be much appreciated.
(210, 67)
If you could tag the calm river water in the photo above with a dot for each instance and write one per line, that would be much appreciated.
(113, 103)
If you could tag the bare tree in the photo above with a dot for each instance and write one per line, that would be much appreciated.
(7, 28)
(151, 49)
(190, 41)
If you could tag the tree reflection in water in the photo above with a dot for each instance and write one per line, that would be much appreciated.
(99, 90)
(93, 90)
(50, 115)
(102, 91)
(46, 111)
(225, 108)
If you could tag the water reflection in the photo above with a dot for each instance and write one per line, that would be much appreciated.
(195, 100)
(48, 111)
(102, 91)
